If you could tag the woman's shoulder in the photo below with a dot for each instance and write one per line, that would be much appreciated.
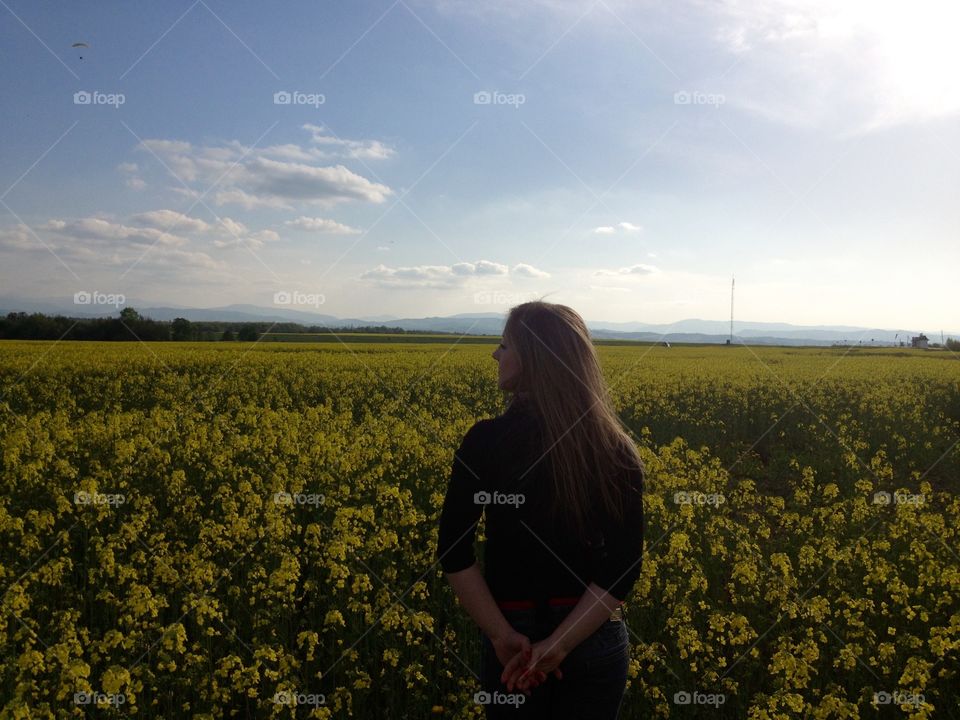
(510, 426)
(631, 466)
(486, 428)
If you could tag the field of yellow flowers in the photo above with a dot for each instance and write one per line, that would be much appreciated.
(248, 530)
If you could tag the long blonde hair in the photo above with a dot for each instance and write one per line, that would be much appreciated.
(562, 384)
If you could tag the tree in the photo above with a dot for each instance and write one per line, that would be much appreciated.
(247, 333)
(180, 329)
(953, 344)
(128, 315)
(227, 335)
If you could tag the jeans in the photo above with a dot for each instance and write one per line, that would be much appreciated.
(594, 673)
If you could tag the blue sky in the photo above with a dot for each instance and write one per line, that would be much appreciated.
(439, 156)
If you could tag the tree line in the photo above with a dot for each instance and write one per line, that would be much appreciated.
(130, 325)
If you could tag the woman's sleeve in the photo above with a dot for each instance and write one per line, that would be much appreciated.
(623, 543)
(461, 506)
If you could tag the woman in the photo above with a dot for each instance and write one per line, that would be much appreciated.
(560, 484)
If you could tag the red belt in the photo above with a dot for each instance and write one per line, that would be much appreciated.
(530, 604)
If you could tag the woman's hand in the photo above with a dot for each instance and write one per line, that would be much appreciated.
(514, 645)
(509, 645)
(525, 672)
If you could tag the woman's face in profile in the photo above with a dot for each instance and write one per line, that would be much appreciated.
(509, 363)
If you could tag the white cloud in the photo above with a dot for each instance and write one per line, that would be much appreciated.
(18, 238)
(363, 149)
(638, 269)
(243, 239)
(277, 176)
(855, 65)
(159, 230)
(846, 67)
(485, 267)
(625, 227)
(435, 276)
(321, 225)
(525, 270)
(231, 227)
(104, 232)
(225, 232)
(170, 220)
(295, 181)
(248, 201)
(422, 276)
(96, 243)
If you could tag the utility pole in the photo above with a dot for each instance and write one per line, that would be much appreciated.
(733, 281)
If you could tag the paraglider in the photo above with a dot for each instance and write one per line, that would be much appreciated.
(80, 45)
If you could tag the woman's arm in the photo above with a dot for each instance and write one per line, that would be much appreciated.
(474, 594)
(594, 609)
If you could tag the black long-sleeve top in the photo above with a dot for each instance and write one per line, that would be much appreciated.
(526, 556)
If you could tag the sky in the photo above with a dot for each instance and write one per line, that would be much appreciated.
(429, 157)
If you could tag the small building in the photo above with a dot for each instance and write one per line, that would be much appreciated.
(920, 341)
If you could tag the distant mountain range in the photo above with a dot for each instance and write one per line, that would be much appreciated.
(691, 331)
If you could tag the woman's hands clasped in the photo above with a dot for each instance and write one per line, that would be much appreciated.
(529, 667)
(510, 645)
